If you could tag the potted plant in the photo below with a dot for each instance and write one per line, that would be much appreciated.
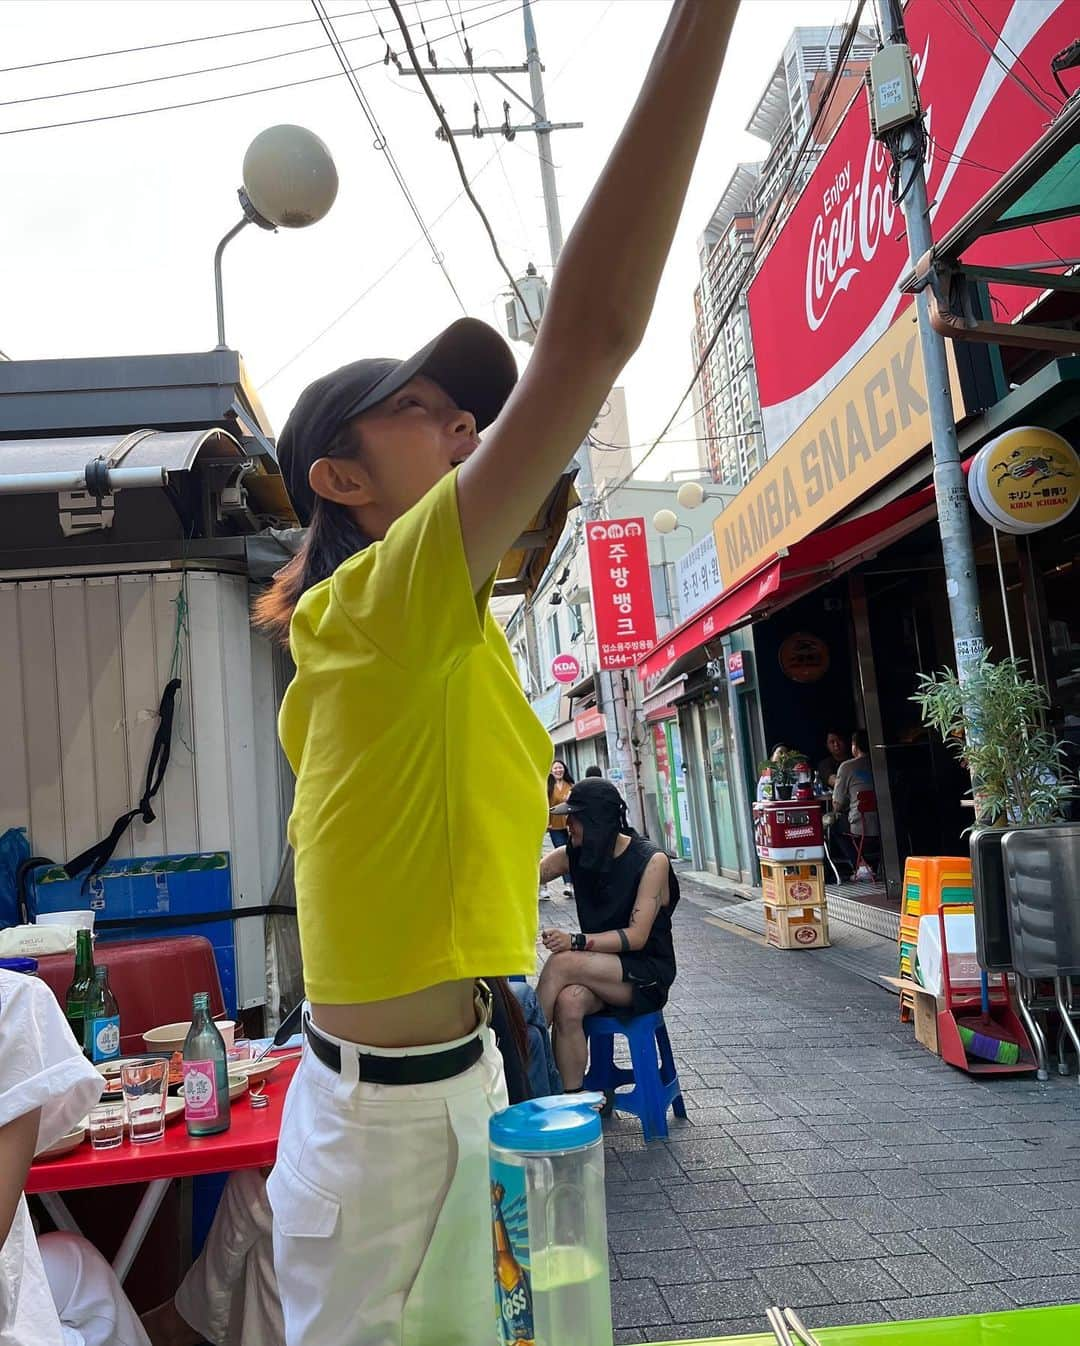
(780, 771)
(997, 726)
(996, 723)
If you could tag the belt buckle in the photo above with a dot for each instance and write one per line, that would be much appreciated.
(483, 1000)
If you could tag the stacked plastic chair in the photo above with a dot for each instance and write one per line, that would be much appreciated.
(930, 882)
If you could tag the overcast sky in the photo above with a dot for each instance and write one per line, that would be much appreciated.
(108, 229)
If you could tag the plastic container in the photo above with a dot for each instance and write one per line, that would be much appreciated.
(28, 966)
(549, 1226)
(78, 920)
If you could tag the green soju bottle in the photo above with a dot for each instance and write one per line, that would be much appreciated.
(82, 982)
(206, 1073)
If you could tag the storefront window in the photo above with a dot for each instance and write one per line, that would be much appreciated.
(720, 768)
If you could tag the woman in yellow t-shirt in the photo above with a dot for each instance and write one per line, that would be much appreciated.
(405, 695)
(559, 782)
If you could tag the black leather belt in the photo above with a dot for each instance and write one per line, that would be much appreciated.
(426, 1069)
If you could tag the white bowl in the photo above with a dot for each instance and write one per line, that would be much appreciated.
(79, 920)
(170, 1037)
(65, 1144)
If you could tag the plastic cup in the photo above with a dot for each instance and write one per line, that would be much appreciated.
(239, 1052)
(107, 1126)
(145, 1085)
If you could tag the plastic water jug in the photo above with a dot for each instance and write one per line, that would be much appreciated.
(549, 1225)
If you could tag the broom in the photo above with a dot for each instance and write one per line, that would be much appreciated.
(982, 1039)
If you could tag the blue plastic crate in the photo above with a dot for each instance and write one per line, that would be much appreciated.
(159, 886)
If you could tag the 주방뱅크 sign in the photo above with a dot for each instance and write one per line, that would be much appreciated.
(871, 424)
(621, 590)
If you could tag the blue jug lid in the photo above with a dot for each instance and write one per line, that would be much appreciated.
(28, 965)
(563, 1122)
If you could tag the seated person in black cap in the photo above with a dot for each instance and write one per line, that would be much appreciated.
(625, 890)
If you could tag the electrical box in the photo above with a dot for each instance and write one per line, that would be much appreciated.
(894, 98)
(522, 320)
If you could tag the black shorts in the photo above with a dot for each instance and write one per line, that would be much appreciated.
(649, 980)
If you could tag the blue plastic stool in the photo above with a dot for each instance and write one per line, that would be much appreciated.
(655, 1081)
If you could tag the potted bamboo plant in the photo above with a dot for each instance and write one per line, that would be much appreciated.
(997, 725)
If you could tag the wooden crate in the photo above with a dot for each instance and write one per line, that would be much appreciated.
(793, 885)
(805, 927)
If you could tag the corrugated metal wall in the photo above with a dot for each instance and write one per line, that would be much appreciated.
(83, 663)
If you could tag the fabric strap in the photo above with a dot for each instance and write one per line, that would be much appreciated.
(96, 857)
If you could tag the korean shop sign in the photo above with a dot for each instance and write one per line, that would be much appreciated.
(698, 577)
(1025, 480)
(621, 590)
(875, 420)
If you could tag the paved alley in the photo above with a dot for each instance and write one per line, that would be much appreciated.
(828, 1161)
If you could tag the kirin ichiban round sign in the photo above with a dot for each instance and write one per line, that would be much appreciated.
(565, 668)
(1024, 480)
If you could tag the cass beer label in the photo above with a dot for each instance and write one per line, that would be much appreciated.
(200, 1091)
(510, 1247)
(104, 1038)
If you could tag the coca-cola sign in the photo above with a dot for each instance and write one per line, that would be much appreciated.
(827, 289)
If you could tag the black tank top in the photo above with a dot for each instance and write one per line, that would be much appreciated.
(606, 901)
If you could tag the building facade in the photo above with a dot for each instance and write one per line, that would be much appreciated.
(727, 410)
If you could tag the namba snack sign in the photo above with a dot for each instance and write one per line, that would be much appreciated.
(836, 351)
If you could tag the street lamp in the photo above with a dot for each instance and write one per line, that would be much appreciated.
(667, 521)
(289, 182)
(691, 495)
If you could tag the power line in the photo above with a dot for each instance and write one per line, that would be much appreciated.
(466, 51)
(382, 143)
(965, 21)
(216, 98)
(177, 42)
(160, 46)
(209, 69)
(369, 288)
(1016, 56)
(762, 240)
(406, 35)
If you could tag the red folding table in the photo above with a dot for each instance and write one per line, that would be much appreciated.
(250, 1142)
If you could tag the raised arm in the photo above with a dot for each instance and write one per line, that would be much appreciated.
(603, 289)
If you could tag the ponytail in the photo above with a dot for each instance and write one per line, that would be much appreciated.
(332, 537)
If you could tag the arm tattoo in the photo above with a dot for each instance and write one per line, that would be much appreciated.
(624, 941)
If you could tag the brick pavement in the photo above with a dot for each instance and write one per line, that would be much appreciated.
(828, 1161)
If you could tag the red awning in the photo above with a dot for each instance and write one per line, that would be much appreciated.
(811, 562)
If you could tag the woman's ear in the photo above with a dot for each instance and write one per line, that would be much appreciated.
(343, 480)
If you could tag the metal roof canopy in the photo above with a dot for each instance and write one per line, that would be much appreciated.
(1043, 185)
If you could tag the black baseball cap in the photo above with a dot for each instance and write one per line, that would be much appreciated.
(469, 360)
(587, 794)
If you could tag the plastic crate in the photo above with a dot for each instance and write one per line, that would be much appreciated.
(805, 927)
(931, 881)
(792, 885)
(150, 896)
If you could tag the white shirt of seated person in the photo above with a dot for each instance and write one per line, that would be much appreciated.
(41, 1066)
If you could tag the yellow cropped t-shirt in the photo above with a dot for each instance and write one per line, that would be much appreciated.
(420, 768)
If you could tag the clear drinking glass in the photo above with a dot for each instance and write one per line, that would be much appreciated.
(146, 1085)
(239, 1053)
(106, 1126)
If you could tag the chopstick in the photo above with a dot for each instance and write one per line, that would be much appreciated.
(800, 1329)
(779, 1327)
(780, 1320)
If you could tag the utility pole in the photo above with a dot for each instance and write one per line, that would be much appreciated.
(613, 698)
(892, 87)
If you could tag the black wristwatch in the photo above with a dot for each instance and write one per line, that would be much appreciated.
(577, 943)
